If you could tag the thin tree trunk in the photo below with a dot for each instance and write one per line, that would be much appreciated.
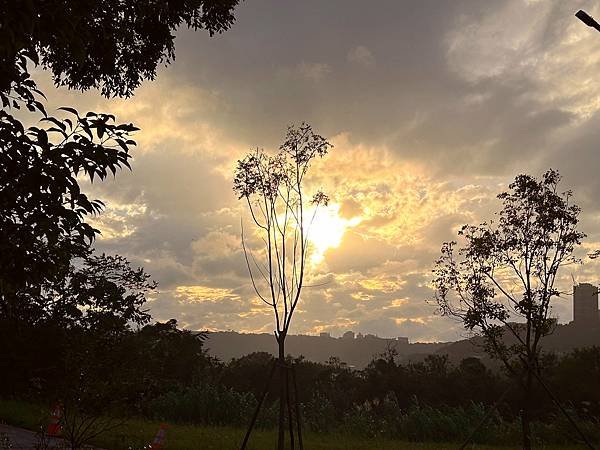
(289, 408)
(282, 373)
(297, 405)
(526, 411)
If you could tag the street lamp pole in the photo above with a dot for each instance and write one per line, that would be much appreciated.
(587, 19)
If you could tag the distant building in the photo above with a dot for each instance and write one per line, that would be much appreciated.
(348, 335)
(325, 334)
(585, 306)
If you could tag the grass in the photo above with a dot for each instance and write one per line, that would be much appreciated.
(137, 433)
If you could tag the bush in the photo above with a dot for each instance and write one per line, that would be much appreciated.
(560, 431)
(417, 424)
(318, 414)
(453, 424)
(205, 404)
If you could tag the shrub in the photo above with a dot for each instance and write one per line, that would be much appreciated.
(205, 404)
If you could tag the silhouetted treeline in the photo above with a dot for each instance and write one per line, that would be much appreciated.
(163, 372)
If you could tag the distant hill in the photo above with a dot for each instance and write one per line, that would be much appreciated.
(565, 338)
(355, 351)
(358, 351)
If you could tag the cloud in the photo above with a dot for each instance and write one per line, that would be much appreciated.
(361, 55)
(458, 98)
(198, 293)
(313, 71)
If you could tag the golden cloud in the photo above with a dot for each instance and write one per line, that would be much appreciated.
(199, 293)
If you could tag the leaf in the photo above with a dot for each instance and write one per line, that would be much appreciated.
(100, 130)
(40, 107)
(55, 121)
(122, 144)
(43, 138)
(69, 109)
(58, 130)
(37, 91)
(86, 128)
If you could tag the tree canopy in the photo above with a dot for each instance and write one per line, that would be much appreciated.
(274, 190)
(43, 208)
(502, 282)
(111, 45)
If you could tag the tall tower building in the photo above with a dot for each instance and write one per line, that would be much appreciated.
(585, 305)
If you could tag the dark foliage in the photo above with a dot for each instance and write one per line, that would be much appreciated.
(111, 45)
(163, 372)
(103, 293)
(167, 356)
(425, 401)
(501, 283)
(43, 209)
(65, 331)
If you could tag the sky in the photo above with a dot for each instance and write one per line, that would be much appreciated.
(433, 107)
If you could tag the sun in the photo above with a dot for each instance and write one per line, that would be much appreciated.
(326, 230)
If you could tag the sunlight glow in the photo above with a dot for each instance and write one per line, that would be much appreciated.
(327, 230)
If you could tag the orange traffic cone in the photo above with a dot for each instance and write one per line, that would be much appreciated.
(159, 439)
(54, 427)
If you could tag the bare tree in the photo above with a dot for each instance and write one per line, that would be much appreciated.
(274, 190)
(502, 282)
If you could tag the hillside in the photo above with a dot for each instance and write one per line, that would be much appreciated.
(565, 338)
(356, 352)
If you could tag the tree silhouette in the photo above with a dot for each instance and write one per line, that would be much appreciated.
(101, 292)
(96, 306)
(501, 283)
(111, 45)
(67, 340)
(43, 209)
(274, 191)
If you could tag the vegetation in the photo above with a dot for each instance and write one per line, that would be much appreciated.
(73, 323)
(111, 45)
(274, 189)
(501, 284)
(161, 373)
(136, 433)
(62, 306)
